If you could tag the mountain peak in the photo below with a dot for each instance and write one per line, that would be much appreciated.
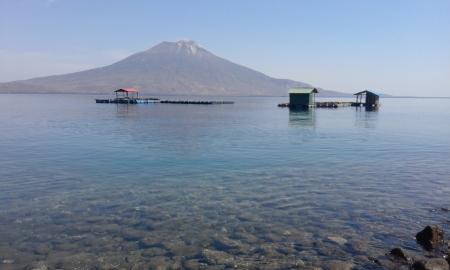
(181, 47)
(189, 46)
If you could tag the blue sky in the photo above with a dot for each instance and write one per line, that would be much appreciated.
(398, 47)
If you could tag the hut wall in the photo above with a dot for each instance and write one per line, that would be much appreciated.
(372, 99)
(301, 99)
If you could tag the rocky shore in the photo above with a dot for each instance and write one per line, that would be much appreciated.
(436, 251)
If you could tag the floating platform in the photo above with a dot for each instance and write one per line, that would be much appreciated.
(204, 102)
(332, 104)
(327, 104)
(306, 106)
(128, 100)
(359, 104)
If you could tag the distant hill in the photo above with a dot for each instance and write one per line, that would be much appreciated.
(169, 68)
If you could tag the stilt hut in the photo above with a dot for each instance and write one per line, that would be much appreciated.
(127, 90)
(302, 97)
(372, 98)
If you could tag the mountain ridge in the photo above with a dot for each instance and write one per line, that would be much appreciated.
(173, 68)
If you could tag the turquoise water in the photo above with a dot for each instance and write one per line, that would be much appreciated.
(248, 185)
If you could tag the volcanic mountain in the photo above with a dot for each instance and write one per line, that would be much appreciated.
(171, 68)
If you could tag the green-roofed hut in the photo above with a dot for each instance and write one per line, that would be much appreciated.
(372, 98)
(302, 97)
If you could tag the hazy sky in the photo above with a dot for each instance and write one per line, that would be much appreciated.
(397, 47)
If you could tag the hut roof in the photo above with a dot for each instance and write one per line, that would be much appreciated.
(130, 90)
(301, 90)
(368, 91)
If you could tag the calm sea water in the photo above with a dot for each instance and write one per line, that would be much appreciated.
(247, 185)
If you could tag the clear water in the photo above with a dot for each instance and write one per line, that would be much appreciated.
(248, 185)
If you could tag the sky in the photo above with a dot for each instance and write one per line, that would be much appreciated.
(395, 47)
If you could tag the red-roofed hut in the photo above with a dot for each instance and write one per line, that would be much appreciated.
(127, 90)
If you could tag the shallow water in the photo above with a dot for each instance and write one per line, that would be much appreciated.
(248, 185)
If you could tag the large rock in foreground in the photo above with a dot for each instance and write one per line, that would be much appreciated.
(431, 237)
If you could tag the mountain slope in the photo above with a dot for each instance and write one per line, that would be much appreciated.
(175, 68)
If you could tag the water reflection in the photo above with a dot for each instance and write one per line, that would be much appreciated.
(303, 125)
(366, 117)
(304, 118)
(127, 111)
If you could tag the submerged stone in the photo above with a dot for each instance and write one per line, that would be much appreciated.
(431, 264)
(36, 266)
(338, 265)
(398, 254)
(338, 239)
(215, 257)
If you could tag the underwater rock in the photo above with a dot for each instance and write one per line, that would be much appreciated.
(268, 251)
(80, 261)
(130, 234)
(360, 246)
(20, 258)
(431, 264)
(398, 254)
(36, 266)
(159, 262)
(153, 252)
(151, 240)
(194, 265)
(338, 239)
(69, 247)
(184, 250)
(223, 241)
(106, 228)
(249, 217)
(338, 265)
(42, 249)
(129, 246)
(215, 257)
(133, 259)
(246, 237)
(112, 260)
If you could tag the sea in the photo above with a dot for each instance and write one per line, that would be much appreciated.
(248, 185)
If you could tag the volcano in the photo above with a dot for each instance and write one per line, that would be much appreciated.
(169, 68)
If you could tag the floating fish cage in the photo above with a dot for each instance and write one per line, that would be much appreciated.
(333, 104)
(128, 100)
(326, 104)
(205, 102)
